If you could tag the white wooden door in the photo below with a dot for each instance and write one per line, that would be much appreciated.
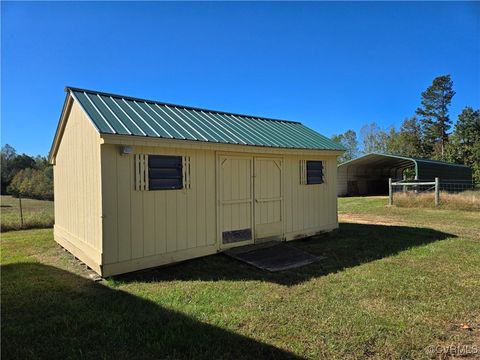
(268, 198)
(235, 200)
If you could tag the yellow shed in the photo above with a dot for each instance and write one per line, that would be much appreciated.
(140, 183)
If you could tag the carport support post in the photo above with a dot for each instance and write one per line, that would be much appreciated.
(437, 191)
(390, 193)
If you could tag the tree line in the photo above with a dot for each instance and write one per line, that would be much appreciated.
(26, 176)
(429, 133)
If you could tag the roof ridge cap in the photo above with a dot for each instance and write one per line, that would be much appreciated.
(254, 117)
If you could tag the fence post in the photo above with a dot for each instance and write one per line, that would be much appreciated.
(390, 192)
(437, 191)
(21, 210)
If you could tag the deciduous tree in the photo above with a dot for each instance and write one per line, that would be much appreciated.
(374, 138)
(349, 141)
(32, 183)
(408, 140)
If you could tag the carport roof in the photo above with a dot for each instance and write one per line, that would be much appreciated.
(424, 168)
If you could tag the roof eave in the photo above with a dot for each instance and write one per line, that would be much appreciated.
(124, 139)
(60, 127)
(377, 154)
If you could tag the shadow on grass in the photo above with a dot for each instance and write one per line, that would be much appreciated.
(351, 245)
(49, 313)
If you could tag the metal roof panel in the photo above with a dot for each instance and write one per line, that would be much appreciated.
(123, 115)
(424, 168)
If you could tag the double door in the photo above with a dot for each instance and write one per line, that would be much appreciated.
(250, 199)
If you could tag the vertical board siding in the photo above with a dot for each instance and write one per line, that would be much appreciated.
(137, 217)
(209, 185)
(139, 224)
(200, 176)
(146, 223)
(149, 217)
(123, 203)
(309, 206)
(77, 182)
(110, 196)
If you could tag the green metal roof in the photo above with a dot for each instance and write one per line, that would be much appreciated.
(123, 115)
(424, 168)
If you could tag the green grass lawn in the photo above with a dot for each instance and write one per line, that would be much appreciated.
(395, 282)
(375, 209)
(36, 213)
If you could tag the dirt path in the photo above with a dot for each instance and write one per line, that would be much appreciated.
(369, 219)
(460, 230)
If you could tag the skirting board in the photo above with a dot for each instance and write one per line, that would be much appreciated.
(310, 232)
(156, 260)
(162, 259)
(61, 237)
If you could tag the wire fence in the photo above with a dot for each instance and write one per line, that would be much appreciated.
(32, 213)
(456, 186)
(430, 191)
(421, 186)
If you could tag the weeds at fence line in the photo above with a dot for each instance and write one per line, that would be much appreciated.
(467, 200)
(448, 194)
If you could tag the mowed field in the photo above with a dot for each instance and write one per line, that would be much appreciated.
(396, 281)
(36, 213)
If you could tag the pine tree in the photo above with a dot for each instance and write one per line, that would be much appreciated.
(464, 147)
(434, 115)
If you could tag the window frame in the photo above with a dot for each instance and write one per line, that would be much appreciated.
(305, 172)
(180, 176)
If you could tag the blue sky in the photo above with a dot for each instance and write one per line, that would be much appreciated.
(332, 66)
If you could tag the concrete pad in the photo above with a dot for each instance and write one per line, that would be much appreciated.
(273, 256)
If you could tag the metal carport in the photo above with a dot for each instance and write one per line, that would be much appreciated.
(368, 174)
